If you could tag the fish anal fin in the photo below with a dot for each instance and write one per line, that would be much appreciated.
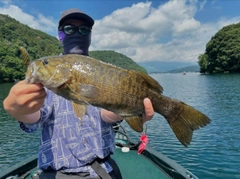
(135, 122)
(79, 110)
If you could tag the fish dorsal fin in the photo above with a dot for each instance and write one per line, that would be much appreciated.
(135, 122)
(88, 91)
(25, 56)
(149, 81)
(79, 110)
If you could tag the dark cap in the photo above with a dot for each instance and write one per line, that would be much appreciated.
(75, 14)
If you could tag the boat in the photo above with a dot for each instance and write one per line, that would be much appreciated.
(149, 164)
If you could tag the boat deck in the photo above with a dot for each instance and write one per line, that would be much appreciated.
(150, 164)
(132, 165)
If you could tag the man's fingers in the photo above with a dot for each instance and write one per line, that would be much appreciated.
(31, 88)
(149, 111)
(23, 88)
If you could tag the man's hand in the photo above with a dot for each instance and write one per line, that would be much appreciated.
(24, 99)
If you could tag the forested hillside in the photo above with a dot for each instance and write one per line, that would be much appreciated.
(222, 53)
(117, 59)
(14, 34)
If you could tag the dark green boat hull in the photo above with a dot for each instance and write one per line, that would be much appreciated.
(150, 164)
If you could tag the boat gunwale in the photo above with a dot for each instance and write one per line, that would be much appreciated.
(164, 163)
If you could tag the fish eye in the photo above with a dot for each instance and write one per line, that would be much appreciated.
(45, 61)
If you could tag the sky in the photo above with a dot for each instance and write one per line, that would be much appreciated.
(157, 30)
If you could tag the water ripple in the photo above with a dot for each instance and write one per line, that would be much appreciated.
(214, 151)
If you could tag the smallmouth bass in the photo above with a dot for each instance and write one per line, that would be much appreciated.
(87, 81)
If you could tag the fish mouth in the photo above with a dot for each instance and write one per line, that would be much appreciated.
(31, 76)
(32, 79)
(47, 79)
(50, 83)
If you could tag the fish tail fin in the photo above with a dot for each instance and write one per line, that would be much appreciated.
(184, 119)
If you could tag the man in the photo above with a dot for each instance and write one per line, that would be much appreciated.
(69, 148)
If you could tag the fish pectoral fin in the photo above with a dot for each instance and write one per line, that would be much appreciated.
(88, 91)
(135, 122)
(79, 110)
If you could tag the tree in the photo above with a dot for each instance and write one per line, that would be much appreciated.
(203, 63)
(222, 51)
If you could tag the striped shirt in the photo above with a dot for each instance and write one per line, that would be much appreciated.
(70, 144)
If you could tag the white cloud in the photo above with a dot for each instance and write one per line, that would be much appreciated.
(202, 4)
(40, 22)
(169, 32)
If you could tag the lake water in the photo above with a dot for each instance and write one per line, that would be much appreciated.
(214, 151)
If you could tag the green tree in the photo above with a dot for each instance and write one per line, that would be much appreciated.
(223, 51)
(203, 63)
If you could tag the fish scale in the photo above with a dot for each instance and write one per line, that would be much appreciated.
(87, 81)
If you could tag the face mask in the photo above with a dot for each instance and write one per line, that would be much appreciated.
(75, 43)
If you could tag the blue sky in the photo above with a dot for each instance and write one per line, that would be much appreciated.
(157, 30)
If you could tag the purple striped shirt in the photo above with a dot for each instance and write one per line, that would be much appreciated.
(68, 143)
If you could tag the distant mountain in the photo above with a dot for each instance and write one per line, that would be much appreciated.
(194, 68)
(158, 66)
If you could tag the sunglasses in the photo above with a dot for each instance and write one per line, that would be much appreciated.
(71, 29)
